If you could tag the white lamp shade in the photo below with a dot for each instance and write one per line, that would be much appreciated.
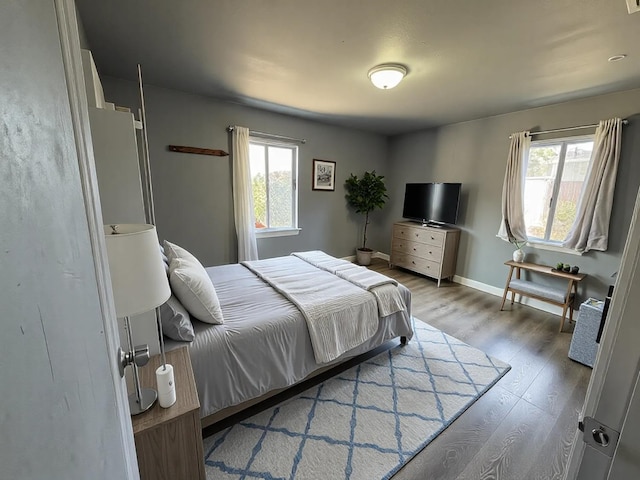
(387, 76)
(137, 271)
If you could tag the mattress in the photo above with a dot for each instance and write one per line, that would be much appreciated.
(263, 344)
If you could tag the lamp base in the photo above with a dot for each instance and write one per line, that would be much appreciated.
(148, 397)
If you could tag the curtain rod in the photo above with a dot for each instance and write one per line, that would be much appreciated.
(580, 127)
(231, 128)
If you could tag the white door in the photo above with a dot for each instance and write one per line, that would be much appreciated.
(612, 399)
(63, 410)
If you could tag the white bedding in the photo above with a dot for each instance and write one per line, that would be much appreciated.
(264, 342)
(383, 288)
(339, 315)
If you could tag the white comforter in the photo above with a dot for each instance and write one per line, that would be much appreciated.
(383, 288)
(339, 315)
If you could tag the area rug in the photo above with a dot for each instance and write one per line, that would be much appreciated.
(366, 422)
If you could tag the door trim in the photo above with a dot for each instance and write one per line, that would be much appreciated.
(628, 267)
(72, 61)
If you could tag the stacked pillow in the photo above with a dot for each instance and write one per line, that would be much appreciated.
(191, 285)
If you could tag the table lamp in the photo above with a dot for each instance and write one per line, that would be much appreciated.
(140, 284)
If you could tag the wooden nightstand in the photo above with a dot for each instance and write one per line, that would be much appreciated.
(169, 440)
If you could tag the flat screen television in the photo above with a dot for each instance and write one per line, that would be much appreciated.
(432, 203)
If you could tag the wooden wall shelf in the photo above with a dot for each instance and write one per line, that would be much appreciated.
(198, 151)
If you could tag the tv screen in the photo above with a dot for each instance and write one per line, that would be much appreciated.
(432, 202)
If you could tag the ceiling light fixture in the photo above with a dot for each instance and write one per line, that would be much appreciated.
(387, 75)
(616, 58)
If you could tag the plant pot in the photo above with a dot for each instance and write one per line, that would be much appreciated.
(363, 256)
(518, 255)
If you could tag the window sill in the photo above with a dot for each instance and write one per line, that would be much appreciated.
(277, 232)
(553, 247)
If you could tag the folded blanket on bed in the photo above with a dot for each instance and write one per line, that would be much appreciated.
(339, 315)
(384, 288)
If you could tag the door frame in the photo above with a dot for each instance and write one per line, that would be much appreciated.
(612, 371)
(72, 62)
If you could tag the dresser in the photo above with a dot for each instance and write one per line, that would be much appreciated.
(169, 440)
(430, 251)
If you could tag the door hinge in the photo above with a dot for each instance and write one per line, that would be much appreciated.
(599, 436)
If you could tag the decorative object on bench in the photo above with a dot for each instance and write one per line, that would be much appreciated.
(365, 195)
(556, 296)
(518, 253)
(368, 420)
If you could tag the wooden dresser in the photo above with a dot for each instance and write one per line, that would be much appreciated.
(169, 440)
(431, 251)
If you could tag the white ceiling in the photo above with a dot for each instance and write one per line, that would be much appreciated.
(466, 59)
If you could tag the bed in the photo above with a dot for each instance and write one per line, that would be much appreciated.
(264, 344)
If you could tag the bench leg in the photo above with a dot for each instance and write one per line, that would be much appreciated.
(564, 314)
(506, 289)
(504, 297)
(404, 341)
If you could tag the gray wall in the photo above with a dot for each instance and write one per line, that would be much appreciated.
(193, 197)
(193, 192)
(475, 154)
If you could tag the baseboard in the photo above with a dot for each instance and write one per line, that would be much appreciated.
(383, 256)
(498, 292)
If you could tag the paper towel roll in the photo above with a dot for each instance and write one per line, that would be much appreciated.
(166, 386)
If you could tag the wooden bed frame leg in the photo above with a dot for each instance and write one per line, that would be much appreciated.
(404, 341)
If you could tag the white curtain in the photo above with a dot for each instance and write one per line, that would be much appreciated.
(512, 226)
(243, 196)
(590, 230)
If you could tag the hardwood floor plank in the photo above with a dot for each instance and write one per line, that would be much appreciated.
(450, 452)
(553, 457)
(511, 450)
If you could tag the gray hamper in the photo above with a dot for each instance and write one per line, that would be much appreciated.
(583, 347)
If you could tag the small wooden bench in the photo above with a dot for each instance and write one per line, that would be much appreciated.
(564, 298)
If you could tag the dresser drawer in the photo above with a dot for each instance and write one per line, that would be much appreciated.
(416, 264)
(421, 235)
(422, 250)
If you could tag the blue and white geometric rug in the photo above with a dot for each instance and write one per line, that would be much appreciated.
(365, 423)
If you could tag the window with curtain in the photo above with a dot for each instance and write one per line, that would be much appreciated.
(274, 178)
(554, 174)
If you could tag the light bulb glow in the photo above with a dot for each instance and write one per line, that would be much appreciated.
(387, 76)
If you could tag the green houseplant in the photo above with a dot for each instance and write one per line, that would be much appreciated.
(365, 194)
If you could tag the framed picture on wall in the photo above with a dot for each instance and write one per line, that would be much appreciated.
(324, 175)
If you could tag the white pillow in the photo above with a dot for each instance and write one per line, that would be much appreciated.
(173, 251)
(191, 284)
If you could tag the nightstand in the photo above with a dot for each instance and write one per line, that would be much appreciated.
(169, 440)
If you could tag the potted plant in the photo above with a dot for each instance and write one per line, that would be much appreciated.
(365, 194)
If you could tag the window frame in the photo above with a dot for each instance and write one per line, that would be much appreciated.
(546, 243)
(279, 231)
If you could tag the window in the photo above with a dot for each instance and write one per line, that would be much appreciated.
(274, 178)
(554, 174)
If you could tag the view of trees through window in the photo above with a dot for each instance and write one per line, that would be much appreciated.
(555, 172)
(273, 183)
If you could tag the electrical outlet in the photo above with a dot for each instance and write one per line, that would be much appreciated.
(633, 6)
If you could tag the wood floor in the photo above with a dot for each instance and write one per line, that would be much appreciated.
(523, 427)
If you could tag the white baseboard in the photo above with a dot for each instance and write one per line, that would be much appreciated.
(498, 292)
(383, 256)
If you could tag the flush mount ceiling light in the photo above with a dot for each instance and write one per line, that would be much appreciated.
(387, 75)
